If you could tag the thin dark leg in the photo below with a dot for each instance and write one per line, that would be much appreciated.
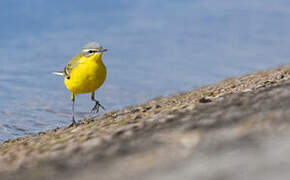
(73, 111)
(97, 106)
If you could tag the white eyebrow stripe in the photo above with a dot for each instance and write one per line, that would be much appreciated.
(87, 50)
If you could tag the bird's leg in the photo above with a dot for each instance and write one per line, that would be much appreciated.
(97, 106)
(73, 111)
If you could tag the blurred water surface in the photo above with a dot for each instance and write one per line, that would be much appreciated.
(156, 48)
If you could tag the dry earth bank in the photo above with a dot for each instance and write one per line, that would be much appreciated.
(236, 129)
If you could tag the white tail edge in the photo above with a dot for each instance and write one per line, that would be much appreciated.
(58, 73)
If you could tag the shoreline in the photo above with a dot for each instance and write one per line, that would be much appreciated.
(130, 133)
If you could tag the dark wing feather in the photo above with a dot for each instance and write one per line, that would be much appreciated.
(70, 65)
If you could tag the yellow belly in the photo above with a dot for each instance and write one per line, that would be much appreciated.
(86, 77)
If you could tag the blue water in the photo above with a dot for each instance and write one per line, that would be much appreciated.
(156, 48)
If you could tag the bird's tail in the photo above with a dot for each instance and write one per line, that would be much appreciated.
(58, 73)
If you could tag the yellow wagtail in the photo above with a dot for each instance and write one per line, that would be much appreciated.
(85, 73)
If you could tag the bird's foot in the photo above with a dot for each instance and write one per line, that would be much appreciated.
(74, 123)
(96, 108)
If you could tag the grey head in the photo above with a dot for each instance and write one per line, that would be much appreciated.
(92, 48)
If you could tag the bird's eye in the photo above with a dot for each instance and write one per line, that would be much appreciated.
(90, 51)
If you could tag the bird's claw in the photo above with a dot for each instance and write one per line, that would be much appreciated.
(74, 123)
(96, 108)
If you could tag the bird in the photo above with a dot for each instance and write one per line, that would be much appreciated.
(85, 73)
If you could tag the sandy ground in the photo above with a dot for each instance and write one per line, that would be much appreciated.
(236, 129)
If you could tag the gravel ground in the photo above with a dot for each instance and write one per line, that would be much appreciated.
(236, 129)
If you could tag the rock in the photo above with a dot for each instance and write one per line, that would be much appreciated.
(204, 100)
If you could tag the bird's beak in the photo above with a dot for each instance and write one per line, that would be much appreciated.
(104, 50)
(98, 50)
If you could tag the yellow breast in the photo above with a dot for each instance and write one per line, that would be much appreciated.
(87, 76)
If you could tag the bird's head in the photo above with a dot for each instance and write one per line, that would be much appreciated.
(93, 48)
